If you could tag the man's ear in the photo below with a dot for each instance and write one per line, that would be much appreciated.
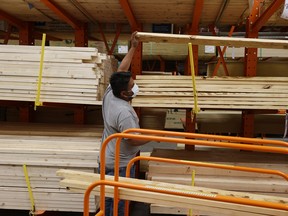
(126, 95)
(123, 95)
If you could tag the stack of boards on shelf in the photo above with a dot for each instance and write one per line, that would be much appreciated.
(76, 75)
(244, 182)
(44, 149)
(236, 93)
(79, 181)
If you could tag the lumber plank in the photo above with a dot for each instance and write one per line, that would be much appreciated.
(57, 146)
(168, 210)
(222, 179)
(45, 199)
(65, 71)
(158, 169)
(223, 155)
(42, 129)
(79, 180)
(244, 184)
(212, 40)
(215, 92)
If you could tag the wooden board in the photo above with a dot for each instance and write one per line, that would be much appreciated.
(212, 92)
(44, 149)
(212, 40)
(79, 181)
(251, 182)
(220, 178)
(70, 75)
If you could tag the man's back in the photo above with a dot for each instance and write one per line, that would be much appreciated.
(118, 115)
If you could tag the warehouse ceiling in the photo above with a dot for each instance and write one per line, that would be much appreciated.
(57, 18)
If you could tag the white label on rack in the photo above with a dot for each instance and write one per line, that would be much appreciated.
(209, 49)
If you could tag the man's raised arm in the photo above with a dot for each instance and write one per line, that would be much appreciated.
(126, 62)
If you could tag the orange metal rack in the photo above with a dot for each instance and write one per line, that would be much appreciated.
(253, 144)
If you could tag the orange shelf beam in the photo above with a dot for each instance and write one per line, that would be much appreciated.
(274, 6)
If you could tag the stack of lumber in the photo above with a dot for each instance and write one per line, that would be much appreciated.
(213, 92)
(233, 52)
(79, 181)
(44, 149)
(75, 75)
(264, 184)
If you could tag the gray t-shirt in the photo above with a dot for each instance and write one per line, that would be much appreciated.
(118, 115)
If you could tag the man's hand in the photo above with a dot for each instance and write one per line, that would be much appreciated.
(126, 61)
(134, 41)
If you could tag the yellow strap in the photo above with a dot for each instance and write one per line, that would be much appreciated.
(192, 184)
(195, 110)
(29, 188)
(37, 100)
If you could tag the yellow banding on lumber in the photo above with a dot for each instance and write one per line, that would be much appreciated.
(29, 189)
(195, 110)
(37, 100)
(192, 184)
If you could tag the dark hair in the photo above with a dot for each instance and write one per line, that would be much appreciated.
(119, 82)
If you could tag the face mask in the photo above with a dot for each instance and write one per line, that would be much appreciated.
(135, 90)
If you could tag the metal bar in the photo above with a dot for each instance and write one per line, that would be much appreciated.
(8, 34)
(274, 6)
(254, 141)
(136, 65)
(197, 12)
(129, 14)
(204, 164)
(26, 35)
(222, 52)
(118, 31)
(11, 19)
(62, 14)
(162, 63)
(221, 11)
(103, 37)
(81, 36)
(194, 30)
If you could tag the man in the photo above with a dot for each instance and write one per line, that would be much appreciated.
(119, 115)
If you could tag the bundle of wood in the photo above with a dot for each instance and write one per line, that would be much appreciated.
(213, 92)
(74, 75)
(204, 202)
(266, 184)
(44, 149)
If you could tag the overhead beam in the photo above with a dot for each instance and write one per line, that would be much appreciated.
(81, 33)
(129, 14)
(8, 34)
(62, 14)
(38, 35)
(274, 6)
(3, 35)
(198, 8)
(212, 40)
(221, 11)
(11, 19)
(136, 65)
